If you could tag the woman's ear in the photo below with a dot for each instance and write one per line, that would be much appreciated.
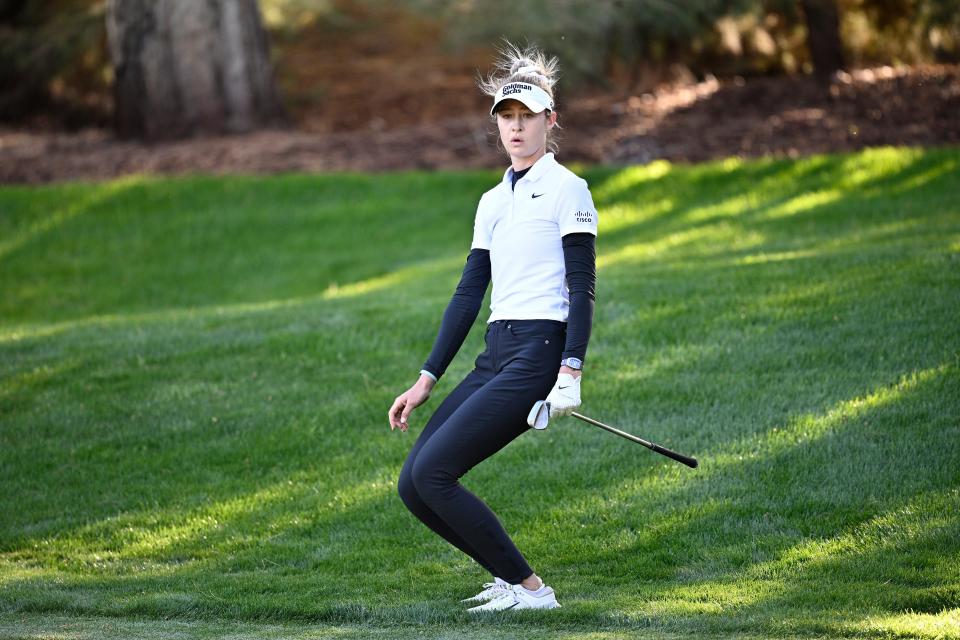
(551, 119)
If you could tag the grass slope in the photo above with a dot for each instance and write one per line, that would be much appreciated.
(195, 372)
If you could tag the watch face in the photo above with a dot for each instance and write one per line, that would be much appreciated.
(573, 363)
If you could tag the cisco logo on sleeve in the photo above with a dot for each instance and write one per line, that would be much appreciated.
(584, 216)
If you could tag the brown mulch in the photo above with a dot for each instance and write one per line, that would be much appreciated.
(797, 116)
(693, 122)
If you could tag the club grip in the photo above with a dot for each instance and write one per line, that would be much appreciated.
(679, 457)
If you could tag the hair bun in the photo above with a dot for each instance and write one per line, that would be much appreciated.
(523, 65)
(529, 64)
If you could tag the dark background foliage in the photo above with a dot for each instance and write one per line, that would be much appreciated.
(55, 69)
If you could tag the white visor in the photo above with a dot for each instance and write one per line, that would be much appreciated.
(535, 98)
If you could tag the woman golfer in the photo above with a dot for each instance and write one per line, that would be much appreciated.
(534, 236)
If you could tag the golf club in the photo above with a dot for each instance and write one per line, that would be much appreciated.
(539, 417)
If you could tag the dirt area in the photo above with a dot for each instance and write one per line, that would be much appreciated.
(363, 127)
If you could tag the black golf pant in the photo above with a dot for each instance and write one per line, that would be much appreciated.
(481, 416)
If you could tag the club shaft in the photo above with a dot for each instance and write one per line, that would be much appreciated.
(622, 434)
(679, 457)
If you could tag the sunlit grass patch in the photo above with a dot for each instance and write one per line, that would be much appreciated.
(945, 624)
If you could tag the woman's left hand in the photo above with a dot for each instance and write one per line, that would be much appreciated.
(565, 395)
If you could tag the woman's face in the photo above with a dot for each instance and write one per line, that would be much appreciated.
(523, 132)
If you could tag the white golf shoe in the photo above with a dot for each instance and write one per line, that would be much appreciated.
(491, 591)
(516, 597)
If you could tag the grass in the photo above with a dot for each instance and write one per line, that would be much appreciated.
(195, 373)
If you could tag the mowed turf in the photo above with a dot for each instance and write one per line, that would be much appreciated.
(195, 375)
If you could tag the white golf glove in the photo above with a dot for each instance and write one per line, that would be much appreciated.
(565, 395)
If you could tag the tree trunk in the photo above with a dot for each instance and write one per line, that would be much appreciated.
(823, 35)
(184, 67)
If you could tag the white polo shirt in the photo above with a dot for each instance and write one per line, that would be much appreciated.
(522, 229)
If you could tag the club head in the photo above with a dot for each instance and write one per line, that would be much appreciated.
(539, 415)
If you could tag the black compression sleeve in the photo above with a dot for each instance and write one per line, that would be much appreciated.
(461, 311)
(580, 259)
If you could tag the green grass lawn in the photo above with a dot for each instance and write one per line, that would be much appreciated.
(195, 374)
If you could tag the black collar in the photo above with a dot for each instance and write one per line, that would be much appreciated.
(516, 175)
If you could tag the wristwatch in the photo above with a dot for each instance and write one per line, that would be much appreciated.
(573, 363)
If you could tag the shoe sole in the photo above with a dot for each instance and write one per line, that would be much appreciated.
(555, 605)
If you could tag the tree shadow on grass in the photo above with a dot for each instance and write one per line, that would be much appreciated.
(264, 563)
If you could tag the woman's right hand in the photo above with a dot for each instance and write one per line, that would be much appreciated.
(409, 400)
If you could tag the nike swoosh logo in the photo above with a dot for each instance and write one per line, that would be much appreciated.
(536, 195)
(566, 387)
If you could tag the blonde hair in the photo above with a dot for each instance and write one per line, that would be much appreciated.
(530, 65)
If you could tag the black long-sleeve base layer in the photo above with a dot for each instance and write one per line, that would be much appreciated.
(580, 260)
